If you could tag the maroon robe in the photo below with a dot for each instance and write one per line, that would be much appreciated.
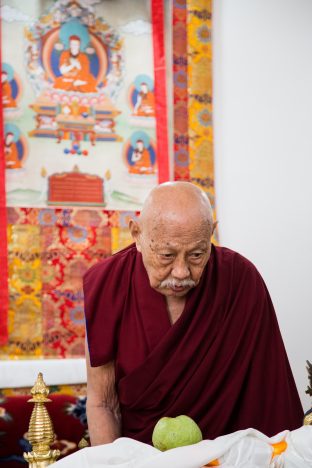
(223, 362)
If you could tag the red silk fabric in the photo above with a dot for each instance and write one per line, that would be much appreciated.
(158, 24)
(223, 362)
(4, 295)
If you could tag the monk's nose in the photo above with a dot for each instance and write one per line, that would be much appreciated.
(180, 270)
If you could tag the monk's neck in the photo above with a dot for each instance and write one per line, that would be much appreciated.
(175, 307)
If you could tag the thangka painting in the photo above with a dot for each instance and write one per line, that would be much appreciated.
(78, 94)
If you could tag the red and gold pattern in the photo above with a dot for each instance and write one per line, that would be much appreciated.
(49, 252)
(180, 90)
(199, 24)
(192, 94)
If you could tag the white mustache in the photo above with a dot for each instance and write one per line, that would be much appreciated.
(171, 283)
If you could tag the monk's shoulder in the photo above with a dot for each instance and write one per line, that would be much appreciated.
(65, 55)
(243, 287)
(116, 263)
(237, 267)
(83, 57)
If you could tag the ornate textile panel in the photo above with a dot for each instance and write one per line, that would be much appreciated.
(192, 94)
(49, 251)
(180, 90)
(25, 290)
(199, 23)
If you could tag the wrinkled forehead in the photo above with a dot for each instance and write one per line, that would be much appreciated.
(180, 245)
(173, 229)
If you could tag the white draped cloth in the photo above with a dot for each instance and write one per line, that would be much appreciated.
(242, 449)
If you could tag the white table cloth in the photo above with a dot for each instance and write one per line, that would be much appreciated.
(242, 449)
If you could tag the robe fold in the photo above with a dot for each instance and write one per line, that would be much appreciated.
(67, 80)
(12, 160)
(223, 362)
(7, 98)
(146, 107)
(142, 162)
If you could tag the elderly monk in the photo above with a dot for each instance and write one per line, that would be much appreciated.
(178, 326)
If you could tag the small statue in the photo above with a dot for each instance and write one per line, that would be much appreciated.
(40, 432)
(308, 416)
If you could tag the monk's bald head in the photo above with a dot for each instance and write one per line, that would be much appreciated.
(181, 203)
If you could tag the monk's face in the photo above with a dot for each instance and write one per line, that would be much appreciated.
(144, 88)
(9, 138)
(4, 77)
(74, 47)
(140, 145)
(175, 251)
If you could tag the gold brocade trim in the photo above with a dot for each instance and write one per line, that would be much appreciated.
(40, 432)
(199, 43)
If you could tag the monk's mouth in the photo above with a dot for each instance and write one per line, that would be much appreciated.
(179, 288)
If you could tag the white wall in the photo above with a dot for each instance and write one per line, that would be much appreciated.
(263, 154)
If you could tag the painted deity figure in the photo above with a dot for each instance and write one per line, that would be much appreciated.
(58, 17)
(7, 98)
(75, 69)
(11, 153)
(145, 104)
(32, 54)
(74, 10)
(141, 161)
(90, 20)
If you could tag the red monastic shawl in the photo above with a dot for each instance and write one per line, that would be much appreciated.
(223, 362)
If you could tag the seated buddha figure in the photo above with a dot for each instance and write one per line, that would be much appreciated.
(145, 104)
(7, 98)
(140, 159)
(75, 69)
(12, 160)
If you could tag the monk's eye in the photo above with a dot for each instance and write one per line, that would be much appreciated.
(166, 256)
(196, 255)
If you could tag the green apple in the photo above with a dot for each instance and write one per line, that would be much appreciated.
(175, 432)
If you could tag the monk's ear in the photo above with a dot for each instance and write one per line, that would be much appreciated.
(135, 231)
(214, 226)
